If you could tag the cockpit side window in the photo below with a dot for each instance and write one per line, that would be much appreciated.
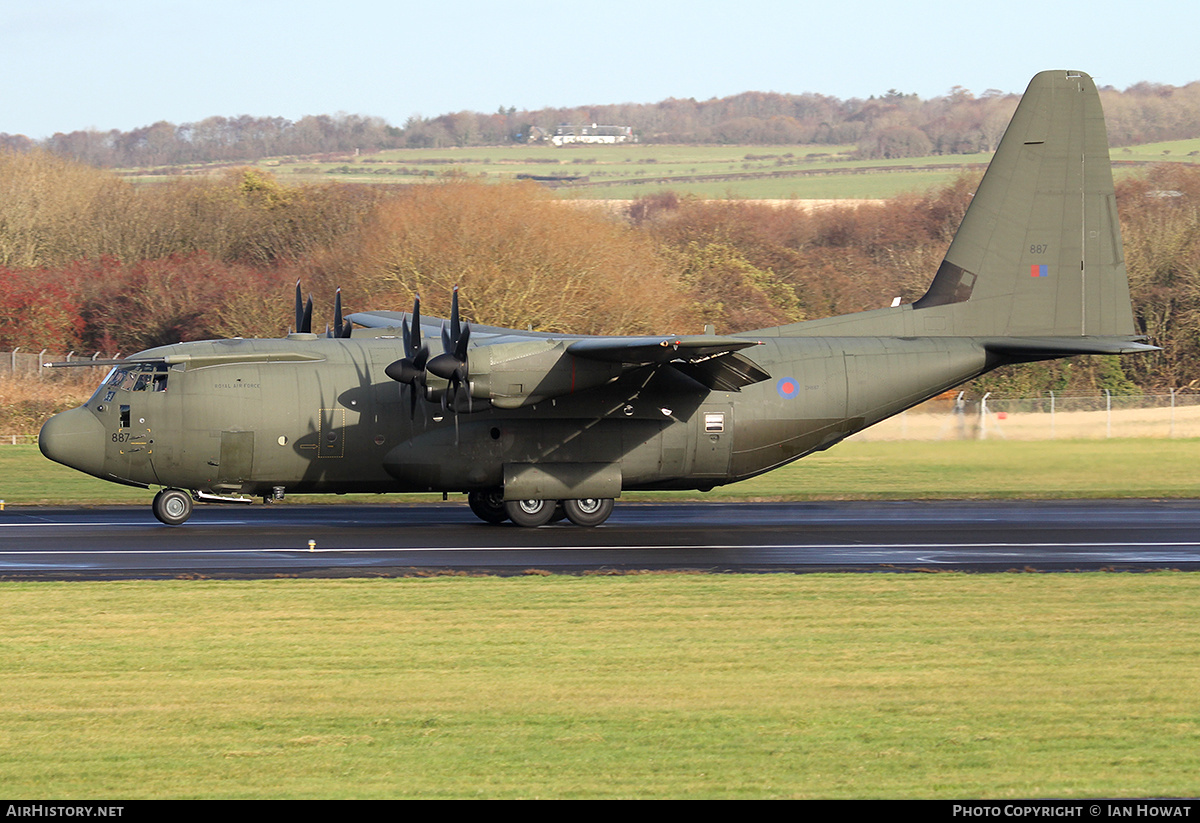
(142, 377)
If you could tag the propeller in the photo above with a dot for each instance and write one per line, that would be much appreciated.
(304, 311)
(451, 364)
(411, 369)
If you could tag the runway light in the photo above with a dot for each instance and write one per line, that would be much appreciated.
(312, 545)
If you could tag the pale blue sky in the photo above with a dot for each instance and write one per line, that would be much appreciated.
(79, 64)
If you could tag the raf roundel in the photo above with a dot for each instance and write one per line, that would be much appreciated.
(788, 388)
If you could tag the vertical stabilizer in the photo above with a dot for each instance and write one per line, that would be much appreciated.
(1039, 250)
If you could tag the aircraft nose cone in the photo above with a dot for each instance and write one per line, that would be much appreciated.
(74, 438)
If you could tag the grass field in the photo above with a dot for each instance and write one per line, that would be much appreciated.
(652, 686)
(853, 470)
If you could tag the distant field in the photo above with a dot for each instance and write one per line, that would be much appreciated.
(629, 171)
(1174, 151)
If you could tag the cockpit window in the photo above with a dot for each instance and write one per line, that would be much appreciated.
(140, 377)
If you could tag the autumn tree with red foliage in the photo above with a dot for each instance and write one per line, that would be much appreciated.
(146, 303)
(37, 311)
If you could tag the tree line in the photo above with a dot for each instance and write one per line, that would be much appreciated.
(890, 125)
(91, 262)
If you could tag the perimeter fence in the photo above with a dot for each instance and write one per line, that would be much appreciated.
(1049, 417)
(18, 363)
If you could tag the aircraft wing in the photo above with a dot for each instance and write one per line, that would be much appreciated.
(516, 368)
(379, 319)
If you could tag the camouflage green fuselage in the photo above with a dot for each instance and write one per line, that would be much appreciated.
(337, 424)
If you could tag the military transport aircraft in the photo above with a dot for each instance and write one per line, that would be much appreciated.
(534, 426)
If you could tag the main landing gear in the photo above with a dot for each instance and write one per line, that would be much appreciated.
(490, 507)
(172, 506)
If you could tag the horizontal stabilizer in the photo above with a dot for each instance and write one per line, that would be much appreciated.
(1045, 348)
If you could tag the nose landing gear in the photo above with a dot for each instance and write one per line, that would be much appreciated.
(172, 506)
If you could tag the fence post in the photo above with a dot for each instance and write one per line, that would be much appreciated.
(983, 416)
(14, 361)
(41, 362)
(1108, 413)
(1171, 432)
(1052, 435)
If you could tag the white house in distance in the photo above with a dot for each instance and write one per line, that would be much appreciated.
(592, 134)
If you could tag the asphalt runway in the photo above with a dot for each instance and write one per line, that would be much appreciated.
(384, 540)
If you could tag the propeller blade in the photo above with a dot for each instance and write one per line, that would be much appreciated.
(299, 308)
(412, 338)
(460, 348)
(306, 324)
(337, 316)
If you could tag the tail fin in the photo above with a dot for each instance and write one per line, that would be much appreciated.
(1039, 251)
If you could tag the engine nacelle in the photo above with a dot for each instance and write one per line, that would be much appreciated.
(512, 375)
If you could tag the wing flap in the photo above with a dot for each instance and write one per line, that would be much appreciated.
(726, 372)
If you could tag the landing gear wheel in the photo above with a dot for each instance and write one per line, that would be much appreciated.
(172, 506)
(588, 511)
(531, 513)
(488, 506)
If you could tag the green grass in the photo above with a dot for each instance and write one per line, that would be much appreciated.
(655, 686)
(854, 470)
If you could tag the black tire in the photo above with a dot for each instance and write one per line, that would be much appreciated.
(589, 511)
(530, 513)
(172, 506)
(488, 506)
